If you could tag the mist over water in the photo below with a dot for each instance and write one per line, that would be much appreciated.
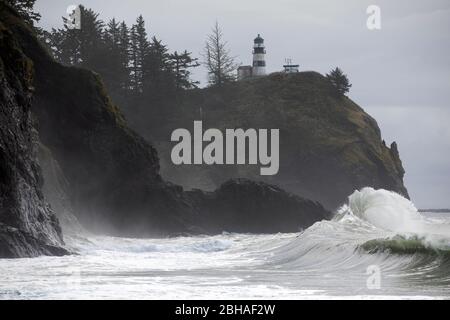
(328, 260)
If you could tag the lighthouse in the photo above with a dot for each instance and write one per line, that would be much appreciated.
(259, 62)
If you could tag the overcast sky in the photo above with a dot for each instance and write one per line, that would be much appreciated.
(400, 74)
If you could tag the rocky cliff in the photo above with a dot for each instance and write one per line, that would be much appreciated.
(329, 146)
(111, 175)
(28, 226)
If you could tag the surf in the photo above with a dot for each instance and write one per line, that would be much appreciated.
(375, 227)
(328, 260)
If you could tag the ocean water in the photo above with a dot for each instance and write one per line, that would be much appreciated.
(377, 246)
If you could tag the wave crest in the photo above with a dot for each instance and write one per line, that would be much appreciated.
(386, 210)
(405, 245)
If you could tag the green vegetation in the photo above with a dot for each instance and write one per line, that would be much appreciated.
(135, 68)
(339, 81)
(25, 10)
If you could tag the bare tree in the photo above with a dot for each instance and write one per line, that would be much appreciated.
(218, 61)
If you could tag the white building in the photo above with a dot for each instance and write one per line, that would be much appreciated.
(259, 57)
(259, 61)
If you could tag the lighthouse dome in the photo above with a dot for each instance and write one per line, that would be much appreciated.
(258, 39)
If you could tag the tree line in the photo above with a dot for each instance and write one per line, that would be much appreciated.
(130, 62)
(25, 8)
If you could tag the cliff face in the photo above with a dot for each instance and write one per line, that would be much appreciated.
(28, 226)
(56, 191)
(329, 146)
(111, 174)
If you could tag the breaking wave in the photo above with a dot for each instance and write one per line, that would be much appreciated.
(411, 231)
(406, 245)
(376, 227)
(329, 259)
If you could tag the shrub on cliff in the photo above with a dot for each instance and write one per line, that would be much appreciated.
(340, 81)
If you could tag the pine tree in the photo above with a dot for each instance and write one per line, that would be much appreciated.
(81, 47)
(113, 74)
(140, 50)
(134, 67)
(160, 80)
(25, 8)
(218, 61)
(63, 45)
(131, 65)
(124, 57)
(112, 33)
(181, 64)
(91, 45)
(339, 81)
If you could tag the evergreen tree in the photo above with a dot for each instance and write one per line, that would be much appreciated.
(131, 65)
(92, 49)
(112, 34)
(181, 64)
(158, 77)
(134, 66)
(124, 57)
(140, 50)
(339, 81)
(63, 45)
(25, 8)
(218, 61)
(81, 47)
(113, 74)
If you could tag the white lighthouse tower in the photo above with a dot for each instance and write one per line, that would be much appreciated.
(259, 61)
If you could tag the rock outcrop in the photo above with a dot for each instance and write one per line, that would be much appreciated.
(254, 207)
(329, 146)
(28, 226)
